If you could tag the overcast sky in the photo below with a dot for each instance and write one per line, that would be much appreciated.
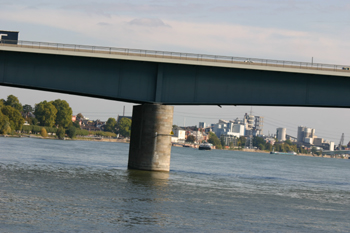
(275, 29)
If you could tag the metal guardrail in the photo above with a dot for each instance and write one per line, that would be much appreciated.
(174, 55)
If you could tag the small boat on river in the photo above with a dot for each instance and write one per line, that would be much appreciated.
(283, 153)
(205, 146)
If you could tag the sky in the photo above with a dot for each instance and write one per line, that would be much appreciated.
(293, 30)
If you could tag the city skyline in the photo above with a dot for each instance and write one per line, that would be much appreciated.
(284, 30)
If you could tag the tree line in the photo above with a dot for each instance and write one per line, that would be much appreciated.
(51, 117)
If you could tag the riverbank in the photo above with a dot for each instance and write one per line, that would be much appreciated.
(96, 139)
(100, 139)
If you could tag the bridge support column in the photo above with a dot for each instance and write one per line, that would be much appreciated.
(150, 141)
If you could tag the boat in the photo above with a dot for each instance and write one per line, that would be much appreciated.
(273, 152)
(205, 146)
(283, 153)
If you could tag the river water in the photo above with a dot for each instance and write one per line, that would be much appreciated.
(81, 186)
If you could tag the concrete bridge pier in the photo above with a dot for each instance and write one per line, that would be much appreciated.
(150, 141)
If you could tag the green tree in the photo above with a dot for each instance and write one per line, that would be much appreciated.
(289, 142)
(27, 109)
(13, 102)
(32, 120)
(76, 124)
(222, 141)
(110, 125)
(15, 118)
(213, 139)
(80, 117)
(261, 146)
(71, 132)
(231, 145)
(60, 133)
(191, 139)
(64, 113)
(259, 140)
(82, 132)
(4, 124)
(43, 132)
(268, 147)
(45, 112)
(124, 127)
(241, 141)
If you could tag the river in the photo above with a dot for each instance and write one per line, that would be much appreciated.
(84, 186)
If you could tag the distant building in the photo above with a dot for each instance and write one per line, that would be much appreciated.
(201, 125)
(318, 141)
(281, 134)
(228, 128)
(304, 132)
(179, 135)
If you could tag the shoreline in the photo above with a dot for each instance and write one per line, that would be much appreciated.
(99, 139)
(93, 139)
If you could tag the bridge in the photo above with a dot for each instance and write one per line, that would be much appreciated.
(159, 79)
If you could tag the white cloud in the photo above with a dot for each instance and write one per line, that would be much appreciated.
(148, 22)
(214, 38)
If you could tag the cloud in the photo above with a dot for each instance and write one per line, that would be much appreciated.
(187, 36)
(103, 24)
(148, 22)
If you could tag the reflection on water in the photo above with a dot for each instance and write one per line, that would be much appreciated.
(148, 178)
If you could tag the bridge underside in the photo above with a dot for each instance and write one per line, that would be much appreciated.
(170, 84)
(166, 83)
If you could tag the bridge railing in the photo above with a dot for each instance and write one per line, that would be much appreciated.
(174, 55)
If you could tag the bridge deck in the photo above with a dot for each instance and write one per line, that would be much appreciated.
(170, 78)
(176, 57)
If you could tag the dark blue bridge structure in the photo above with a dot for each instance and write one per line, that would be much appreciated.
(159, 79)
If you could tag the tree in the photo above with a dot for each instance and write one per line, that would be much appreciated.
(27, 109)
(289, 142)
(60, 133)
(213, 139)
(43, 132)
(80, 117)
(71, 132)
(261, 146)
(222, 141)
(13, 102)
(241, 141)
(110, 125)
(124, 127)
(231, 145)
(268, 146)
(259, 140)
(64, 113)
(76, 124)
(15, 118)
(45, 112)
(191, 139)
(4, 124)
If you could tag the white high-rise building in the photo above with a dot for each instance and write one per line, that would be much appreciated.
(202, 125)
